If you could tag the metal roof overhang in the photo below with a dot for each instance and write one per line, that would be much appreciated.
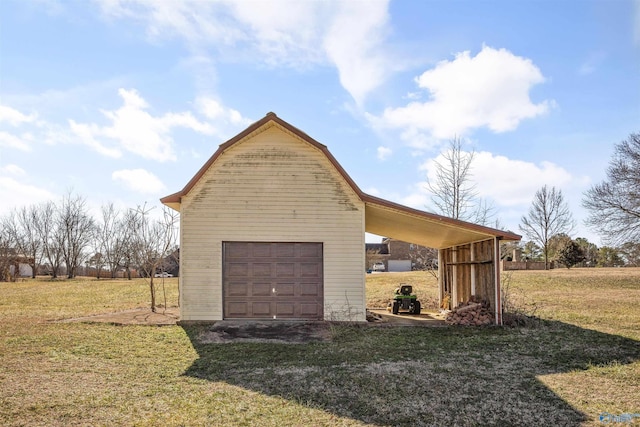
(388, 219)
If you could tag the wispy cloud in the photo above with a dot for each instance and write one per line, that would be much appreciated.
(14, 117)
(216, 111)
(12, 169)
(134, 129)
(510, 182)
(351, 35)
(9, 140)
(18, 191)
(384, 153)
(488, 90)
(139, 180)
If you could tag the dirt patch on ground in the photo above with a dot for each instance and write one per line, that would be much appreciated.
(272, 332)
(252, 331)
(138, 316)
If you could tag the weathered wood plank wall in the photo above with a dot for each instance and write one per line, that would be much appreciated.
(468, 271)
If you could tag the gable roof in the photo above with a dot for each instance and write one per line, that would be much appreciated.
(382, 217)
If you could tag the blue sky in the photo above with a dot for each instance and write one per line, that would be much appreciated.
(123, 101)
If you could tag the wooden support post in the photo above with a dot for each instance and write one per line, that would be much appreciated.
(473, 270)
(454, 278)
(442, 271)
(496, 265)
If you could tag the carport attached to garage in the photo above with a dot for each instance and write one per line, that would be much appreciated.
(272, 280)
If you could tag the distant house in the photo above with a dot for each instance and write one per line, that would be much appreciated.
(399, 255)
(14, 264)
(272, 227)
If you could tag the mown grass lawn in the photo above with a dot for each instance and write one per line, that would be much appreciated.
(582, 359)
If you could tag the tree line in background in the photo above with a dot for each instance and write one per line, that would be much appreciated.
(614, 207)
(58, 238)
(567, 252)
(61, 238)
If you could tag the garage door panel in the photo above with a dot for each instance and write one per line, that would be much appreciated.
(285, 289)
(284, 250)
(310, 250)
(260, 309)
(273, 280)
(261, 290)
(261, 269)
(237, 269)
(238, 251)
(237, 289)
(310, 290)
(237, 309)
(310, 269)
(286, 309)
(310, 310)
(287, 269)
(260, 250)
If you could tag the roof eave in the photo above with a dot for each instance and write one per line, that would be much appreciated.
(492, 232)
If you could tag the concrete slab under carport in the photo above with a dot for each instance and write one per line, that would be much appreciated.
(426, 318)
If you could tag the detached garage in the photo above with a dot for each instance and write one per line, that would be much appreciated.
(272, 227)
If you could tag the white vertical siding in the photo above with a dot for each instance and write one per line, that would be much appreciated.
(272, 187)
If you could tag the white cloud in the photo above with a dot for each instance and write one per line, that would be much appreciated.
(510, 182)
(353, 43)
(347, 34)
(489, 90)
(12, 170)
(85, 134)
(18, 193)
(372, 191)
(135, 130)
(384, 153)
(214, 110)
(418, 198)
(139, 180)
(14, 117)
(11, 141)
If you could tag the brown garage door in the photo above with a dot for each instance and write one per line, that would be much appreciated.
(272, 280)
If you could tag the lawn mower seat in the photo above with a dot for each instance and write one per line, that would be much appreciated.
(406, 289)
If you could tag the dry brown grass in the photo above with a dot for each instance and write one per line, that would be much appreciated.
(380, 287)
(581, 360)
(603, 299)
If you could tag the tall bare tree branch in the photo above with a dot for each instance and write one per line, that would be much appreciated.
(548, 216)
(614, 204)
(453, 193)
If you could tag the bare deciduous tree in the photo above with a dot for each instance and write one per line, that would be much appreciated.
(614, 204)
(7, 253)
(548, 216)
(453, 193)
(21, 224)
(77, 231)
(128, 249)
(153, 241)
(50, 235)
(631, 253)
(110, 238)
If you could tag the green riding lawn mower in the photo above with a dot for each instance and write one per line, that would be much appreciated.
(404, 300)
